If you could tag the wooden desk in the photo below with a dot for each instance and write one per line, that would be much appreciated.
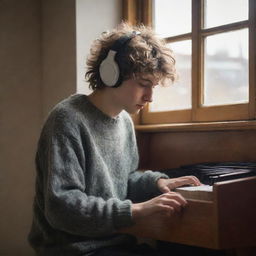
(226, 222)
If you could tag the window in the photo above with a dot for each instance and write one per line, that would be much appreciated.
(215, 46)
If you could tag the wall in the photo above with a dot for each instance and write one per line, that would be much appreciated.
(37, 69)
(20, 117)
(93, 17)
(58, 47)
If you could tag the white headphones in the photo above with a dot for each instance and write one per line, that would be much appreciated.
(109, 69)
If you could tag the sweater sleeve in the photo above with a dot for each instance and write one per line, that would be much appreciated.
(143, 185)
(67, 207)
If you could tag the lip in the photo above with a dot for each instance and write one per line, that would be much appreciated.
(140, 106)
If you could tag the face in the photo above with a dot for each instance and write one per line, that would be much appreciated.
(135, 93)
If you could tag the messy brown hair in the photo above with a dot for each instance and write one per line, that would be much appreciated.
(145, 53)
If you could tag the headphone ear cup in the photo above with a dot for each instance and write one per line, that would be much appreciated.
(109, 70)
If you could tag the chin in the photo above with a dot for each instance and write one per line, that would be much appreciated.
(133, 111)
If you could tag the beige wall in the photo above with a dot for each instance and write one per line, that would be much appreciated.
(58, 45)
(89, 28)
(37, 69)
(20, 116)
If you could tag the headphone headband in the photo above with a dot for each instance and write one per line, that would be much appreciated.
(123, 40)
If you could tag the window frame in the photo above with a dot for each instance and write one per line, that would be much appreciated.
(141, 11)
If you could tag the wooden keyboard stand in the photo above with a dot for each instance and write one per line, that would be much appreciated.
(226, 222)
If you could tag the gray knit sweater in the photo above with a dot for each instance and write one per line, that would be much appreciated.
(86, 180)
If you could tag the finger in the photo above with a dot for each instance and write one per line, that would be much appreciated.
(167, 210)
(175, 204)
(189, 180)
(178, 197)
(197, 181)
(194, 180)
(165, 189)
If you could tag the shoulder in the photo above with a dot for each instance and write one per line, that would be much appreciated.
(69, 107)
(65, 115)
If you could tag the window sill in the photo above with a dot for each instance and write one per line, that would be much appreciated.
(202, 126)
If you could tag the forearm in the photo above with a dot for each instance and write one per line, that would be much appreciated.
(79, 214)
(138, 221)
(143, 185)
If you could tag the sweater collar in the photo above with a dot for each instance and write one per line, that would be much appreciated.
(101, 115)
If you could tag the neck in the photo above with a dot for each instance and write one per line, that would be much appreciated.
(105, 102)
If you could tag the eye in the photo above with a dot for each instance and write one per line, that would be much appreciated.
(144, 85)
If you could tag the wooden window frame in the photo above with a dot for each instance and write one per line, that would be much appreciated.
(140, 11)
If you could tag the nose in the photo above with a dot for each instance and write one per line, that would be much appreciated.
(148, 96)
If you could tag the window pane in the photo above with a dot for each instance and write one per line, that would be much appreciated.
(172, 17)
(178, 95)
(224, 12)
(226, 68)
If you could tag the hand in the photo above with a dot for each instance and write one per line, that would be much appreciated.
(167, 185)
(165, 204)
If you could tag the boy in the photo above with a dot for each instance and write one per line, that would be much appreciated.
(88, 188)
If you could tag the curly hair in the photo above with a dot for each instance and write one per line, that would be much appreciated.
(144, 54)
